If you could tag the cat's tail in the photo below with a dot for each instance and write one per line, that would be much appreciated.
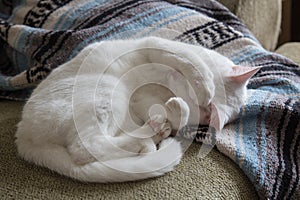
(56, 157)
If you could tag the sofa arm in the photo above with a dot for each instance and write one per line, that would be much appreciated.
(262, 17)
(290, 50)
(230, 4)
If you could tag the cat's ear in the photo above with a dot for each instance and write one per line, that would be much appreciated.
(241, 74)
(217, 118)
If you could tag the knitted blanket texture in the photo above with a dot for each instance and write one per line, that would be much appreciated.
(38, 36)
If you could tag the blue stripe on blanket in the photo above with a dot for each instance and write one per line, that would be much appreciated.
(252, 56)
(21, 60)
(252, 142)
(242, 137)
(263, 141)
(67, 19)
(246, 54)
(21, 4)
(159, 26)
(3, 83)
(280, 86)
(139, 22)
(23, 41)
(246, 137)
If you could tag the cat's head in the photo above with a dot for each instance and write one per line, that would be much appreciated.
(181, 87)
(230, 96)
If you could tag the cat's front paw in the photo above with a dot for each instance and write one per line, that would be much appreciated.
(178, 112)
(161, 126)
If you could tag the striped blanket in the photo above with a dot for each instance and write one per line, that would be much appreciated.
(37, 36)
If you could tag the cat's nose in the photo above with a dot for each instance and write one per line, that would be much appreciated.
(207, 119)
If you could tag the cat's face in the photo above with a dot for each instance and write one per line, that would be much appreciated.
(225, 105)
(181, 87)
(205, 114)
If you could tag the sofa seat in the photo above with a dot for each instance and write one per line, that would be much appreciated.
(213, 177)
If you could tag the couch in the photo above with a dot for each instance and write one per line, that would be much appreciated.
(212, 177)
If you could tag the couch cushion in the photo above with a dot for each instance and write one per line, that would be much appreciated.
(263, 18)
(214, 177)
(230, 4)
(249, 141)
(290, 50)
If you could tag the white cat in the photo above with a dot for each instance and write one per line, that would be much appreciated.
(105, 116)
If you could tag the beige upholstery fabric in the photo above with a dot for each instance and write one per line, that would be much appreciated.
(262, 17)
(290, 50)
(214, 177)
(230, 4)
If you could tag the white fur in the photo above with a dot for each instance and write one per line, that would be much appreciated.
(89, 118)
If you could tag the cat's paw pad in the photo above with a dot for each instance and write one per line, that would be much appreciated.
(165, 130)
(178, 112)
(160, 125)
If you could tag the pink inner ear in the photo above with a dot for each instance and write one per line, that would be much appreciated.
(241, 74)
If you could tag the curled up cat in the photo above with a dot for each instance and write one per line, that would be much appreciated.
(107, 114)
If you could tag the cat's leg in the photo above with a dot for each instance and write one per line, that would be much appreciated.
(143, 139)
(178, 112)
(160, 126)
(103, 148)
(79, 154)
